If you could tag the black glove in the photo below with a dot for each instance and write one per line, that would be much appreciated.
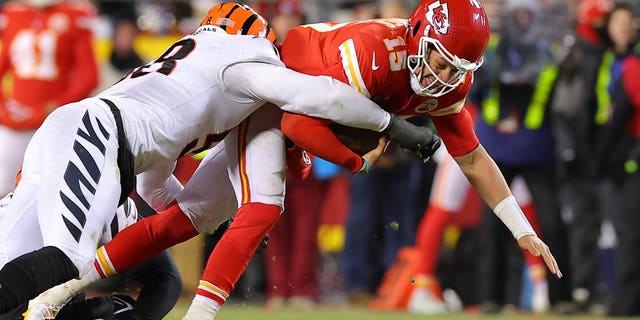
(419, 142)
(424, 152)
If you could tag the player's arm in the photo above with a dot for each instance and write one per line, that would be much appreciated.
(159, 187)
(322, 97)
(314, 136)
(85, 73)
(316, 96)
(456, 128)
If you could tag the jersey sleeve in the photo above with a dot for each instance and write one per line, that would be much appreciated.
(314, 136)
(456, 130)
(316, 96)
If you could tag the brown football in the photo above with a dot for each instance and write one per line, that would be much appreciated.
(358, 140)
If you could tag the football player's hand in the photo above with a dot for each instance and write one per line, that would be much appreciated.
(538, 248)
(419, 141)
(371, 158)
(426, 151)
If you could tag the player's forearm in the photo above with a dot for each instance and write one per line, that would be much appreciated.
(314, 136)
(320, 97)
(486, 178)
(158, 188)
(484, 175)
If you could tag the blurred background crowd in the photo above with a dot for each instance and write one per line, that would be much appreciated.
(552, 106)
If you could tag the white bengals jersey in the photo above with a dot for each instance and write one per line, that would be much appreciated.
(184, 101)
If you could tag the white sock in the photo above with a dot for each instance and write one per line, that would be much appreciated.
(202, 308)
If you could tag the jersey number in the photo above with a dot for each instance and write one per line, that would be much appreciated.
(33, 54)
(167, 61)
(397, 58)
(190, 148)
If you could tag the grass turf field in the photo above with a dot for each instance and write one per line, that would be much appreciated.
(256, 312)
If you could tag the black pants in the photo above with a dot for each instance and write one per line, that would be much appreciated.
(626, 221)
(589, 200)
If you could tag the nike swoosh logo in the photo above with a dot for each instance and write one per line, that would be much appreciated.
(373, 63)
(123, 305)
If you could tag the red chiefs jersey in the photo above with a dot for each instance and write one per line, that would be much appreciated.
(49, 55)
(371, 56)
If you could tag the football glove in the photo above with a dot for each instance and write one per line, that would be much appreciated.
(420, 141)
(424, 152)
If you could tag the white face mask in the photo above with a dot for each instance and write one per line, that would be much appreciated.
(419, 64)
(42, 3)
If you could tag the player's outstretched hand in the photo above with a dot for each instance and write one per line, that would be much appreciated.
(538, 248)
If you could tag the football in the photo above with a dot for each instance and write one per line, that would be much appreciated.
(358, 140)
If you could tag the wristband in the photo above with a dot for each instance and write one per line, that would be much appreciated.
(512, 216)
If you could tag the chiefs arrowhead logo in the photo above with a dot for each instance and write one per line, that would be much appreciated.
(426, 106)
(438, 17)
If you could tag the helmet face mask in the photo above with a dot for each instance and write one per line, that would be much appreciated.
(457, 30)
(420, 62)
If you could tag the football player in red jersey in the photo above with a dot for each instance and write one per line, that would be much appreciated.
(440, 46)
(47, 49)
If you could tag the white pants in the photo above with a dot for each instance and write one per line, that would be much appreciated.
(249, 166)
(69, 189)
(12, 146)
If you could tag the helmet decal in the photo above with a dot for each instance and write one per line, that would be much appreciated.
(438, 17)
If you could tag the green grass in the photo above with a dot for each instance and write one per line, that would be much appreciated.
(256, 312)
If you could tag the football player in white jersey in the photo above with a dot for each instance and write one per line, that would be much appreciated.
(82, 161)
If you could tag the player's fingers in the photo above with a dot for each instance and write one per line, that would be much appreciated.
(533, 249)
(550, 261)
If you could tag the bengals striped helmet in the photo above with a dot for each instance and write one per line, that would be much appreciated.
(235, 18)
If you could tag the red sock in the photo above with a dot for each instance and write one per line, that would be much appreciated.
(143, 240)
(231, 255)
(429, 238)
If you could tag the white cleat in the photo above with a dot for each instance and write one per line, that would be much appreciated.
(40, 311)
(422, 301)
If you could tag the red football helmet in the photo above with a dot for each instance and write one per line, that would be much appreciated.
(235, 18)
(457, 29)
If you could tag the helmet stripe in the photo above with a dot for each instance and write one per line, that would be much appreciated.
(248, 23)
